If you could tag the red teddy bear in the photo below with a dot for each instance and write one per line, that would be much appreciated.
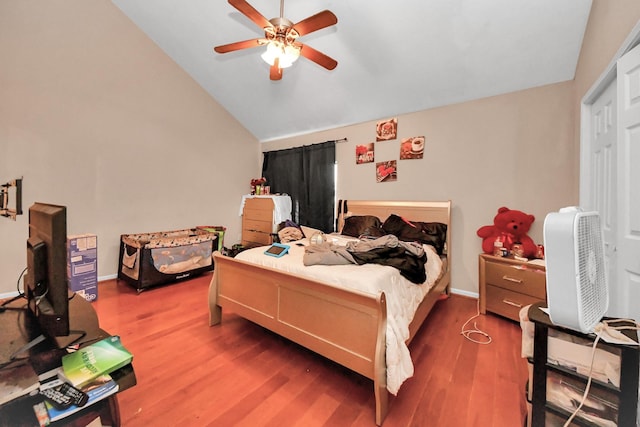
(512, 226)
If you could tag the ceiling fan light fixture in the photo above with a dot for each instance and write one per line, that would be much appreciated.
(286, 54)
(281, 38)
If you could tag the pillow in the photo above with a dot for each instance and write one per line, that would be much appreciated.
(359, 225)
(429, 233)
(290, 234)
(288, 231)
(288, 223)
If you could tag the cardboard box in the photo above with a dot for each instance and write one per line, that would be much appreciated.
(82, 265)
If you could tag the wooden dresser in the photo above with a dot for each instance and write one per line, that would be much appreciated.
(261, 216)
(257, 222)
(507, 285)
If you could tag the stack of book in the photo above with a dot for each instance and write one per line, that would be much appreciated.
(87, 371)
(88, 363)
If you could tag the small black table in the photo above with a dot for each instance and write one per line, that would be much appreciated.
(18, 327)
(625, 396)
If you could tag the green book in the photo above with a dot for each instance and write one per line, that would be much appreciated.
(103, 357)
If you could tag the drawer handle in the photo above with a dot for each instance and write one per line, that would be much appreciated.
(515, 304)
(511, 279)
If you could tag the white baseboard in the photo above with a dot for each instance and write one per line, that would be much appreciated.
(100, 279)
(8, 295)
(464, 293)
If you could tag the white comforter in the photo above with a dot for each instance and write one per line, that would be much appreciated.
(403, 297)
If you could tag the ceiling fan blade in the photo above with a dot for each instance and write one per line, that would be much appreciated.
(275, 72)
(246, 44)
(316, 22)
(318, 57)
(247, 10)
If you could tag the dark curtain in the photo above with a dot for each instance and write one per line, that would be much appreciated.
(307, 175)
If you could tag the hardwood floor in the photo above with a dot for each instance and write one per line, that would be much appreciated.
(237, 373)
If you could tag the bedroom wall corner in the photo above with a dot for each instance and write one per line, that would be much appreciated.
(96, 117)
(506, 150)
(519, 150)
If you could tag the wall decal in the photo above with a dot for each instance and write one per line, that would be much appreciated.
(387, 130)
(365, 153)
(412, 148)
(387, 171)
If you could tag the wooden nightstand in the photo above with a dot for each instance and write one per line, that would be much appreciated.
(507, 285)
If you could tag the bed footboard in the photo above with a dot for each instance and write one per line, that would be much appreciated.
(345, 326)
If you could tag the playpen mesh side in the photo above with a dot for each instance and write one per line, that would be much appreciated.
(171, 252)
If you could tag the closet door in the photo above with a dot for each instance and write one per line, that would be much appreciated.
(602, 184)
(628, 236)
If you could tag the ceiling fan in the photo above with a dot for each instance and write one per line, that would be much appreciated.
(280, 37)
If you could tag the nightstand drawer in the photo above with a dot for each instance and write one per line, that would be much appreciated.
(517, 278)
(507, 303)
(507, 284)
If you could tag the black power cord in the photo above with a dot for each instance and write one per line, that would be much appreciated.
(3, 306)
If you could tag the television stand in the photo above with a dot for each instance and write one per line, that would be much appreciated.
(546, 408)
(74, 337)
(20, 335)
(37, 340)
(18, 327)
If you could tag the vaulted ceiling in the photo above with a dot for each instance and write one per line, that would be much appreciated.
(394, 57)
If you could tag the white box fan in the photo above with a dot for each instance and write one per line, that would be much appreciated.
(577, 289)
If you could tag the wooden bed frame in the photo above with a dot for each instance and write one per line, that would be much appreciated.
(345, 326)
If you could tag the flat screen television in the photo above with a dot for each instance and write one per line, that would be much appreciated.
(46, 282)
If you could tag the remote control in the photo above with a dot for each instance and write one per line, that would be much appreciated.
(58, 399)
(78, 397)
(65, 395)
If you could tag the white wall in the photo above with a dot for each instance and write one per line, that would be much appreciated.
(519, 150)
(511, 150)
(94, 116)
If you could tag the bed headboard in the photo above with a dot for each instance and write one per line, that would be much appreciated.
(413, 211)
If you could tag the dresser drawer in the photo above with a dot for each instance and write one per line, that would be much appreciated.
(258, 214)
(255, 238)
(265, 204)
(507, 303)
(517, 278)
(256, 225)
